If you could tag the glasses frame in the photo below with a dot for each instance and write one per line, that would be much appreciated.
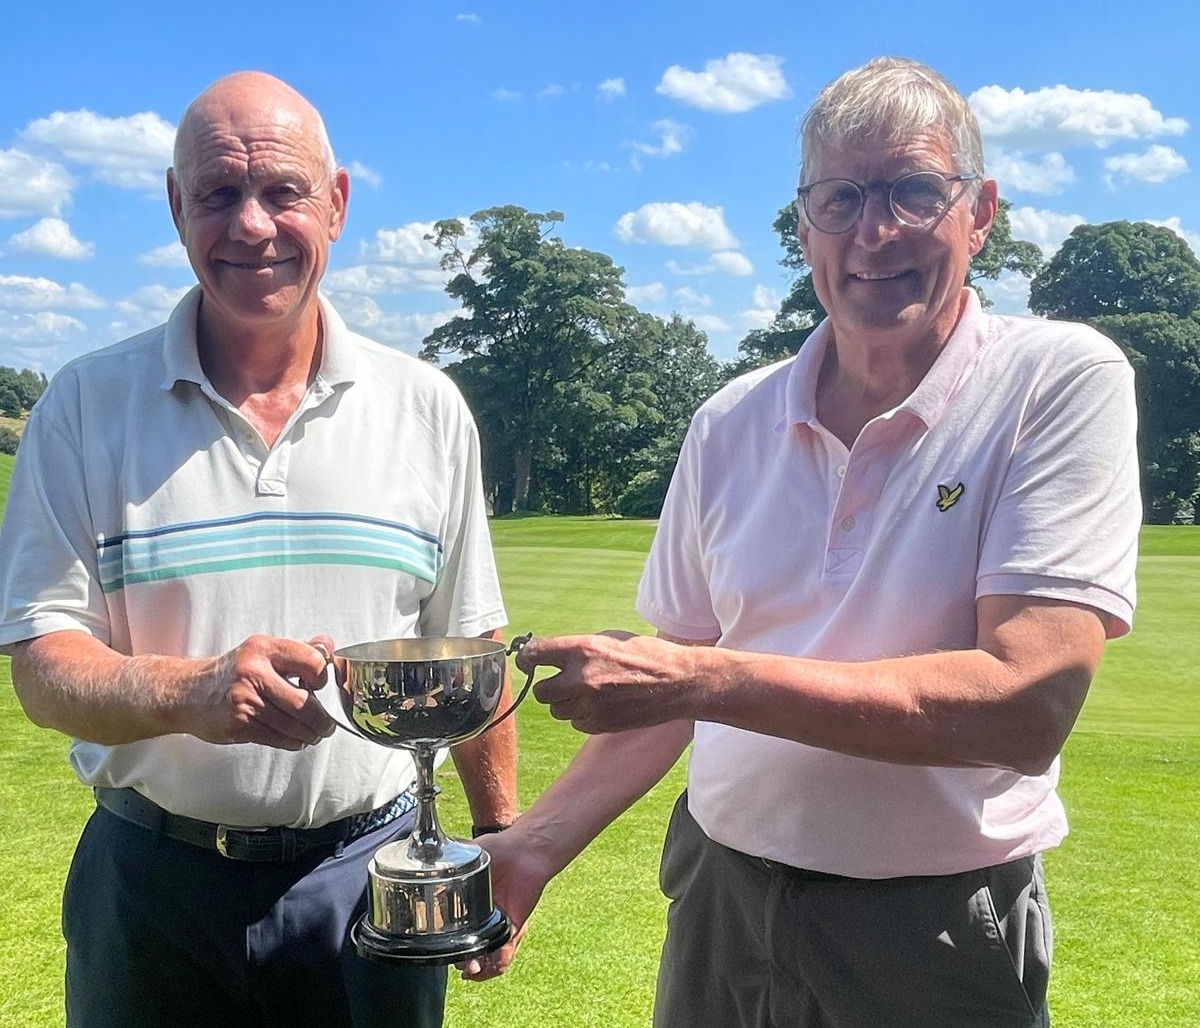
(864, 188)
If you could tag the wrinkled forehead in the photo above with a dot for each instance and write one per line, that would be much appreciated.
(223, 136)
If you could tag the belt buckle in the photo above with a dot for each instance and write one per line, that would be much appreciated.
(223, 835)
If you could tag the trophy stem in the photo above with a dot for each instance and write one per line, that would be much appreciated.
(427, 840)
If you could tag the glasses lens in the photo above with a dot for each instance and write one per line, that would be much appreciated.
(833, 205)
(918, 199)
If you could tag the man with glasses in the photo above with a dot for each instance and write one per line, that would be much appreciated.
(883, 579)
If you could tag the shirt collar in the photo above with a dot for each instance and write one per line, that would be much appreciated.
(932, 394)
(181, 355)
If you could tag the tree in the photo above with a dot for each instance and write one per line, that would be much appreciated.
(1165, 352)
(19, 390)
(540, 315)
(1001, 253)
(1118, 267)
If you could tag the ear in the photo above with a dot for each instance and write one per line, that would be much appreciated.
(339, 197)
(175, 199)
(986, 205)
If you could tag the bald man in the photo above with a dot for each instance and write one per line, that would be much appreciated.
(198, 516)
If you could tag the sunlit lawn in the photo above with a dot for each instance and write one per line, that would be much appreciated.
(1127, 917)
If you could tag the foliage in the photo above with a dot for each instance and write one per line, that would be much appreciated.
(1118, 267)
(1165, 352)
(9, 440)
(540, 315)
(19, 390)
(574, 390)
(1001, 253)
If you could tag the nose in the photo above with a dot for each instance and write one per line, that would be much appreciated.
(877, 223)
(252, 223)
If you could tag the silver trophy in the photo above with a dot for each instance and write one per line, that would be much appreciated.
(430, 896)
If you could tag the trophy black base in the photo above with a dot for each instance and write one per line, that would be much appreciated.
(445, 948)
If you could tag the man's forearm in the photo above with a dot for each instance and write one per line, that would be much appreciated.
(72, 682)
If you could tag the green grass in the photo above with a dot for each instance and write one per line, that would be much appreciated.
(1128, 949)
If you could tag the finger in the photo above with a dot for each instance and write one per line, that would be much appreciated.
(553, 651)
(302, 660)
(289, 724)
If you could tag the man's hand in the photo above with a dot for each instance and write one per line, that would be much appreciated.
(614, 681)
(262, 691)
(517, 885)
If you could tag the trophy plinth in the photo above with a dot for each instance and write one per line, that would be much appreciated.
(429, 898)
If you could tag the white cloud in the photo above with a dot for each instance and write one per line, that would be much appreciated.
(766, 303)
(131, 152)
(51, 237)
(1156, 165)
(359, 172)
(1046, 175)
(384, 279)
(655, 292)
(1047, 229)
(44, 328)
(729, 84)
(730, 262)
(689, 296)
(32, 185)
(709, 322)
(724, 262)
(672, 138)
(403, 245)
(677, 224)
(1057, 116)
(610, 89)
(469, 19)
(24, 293)
(553, 89)
(172, 255)
(405, 330)
(1009, 293)
(147, 307)
(505, 94)
(1176, 226)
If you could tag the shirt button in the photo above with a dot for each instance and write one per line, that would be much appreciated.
(841, 471)
(848, 524)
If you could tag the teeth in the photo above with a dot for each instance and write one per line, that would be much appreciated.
(877, 276)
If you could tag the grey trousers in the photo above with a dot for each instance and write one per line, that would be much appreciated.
(757, 945)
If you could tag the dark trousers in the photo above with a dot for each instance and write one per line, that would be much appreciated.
(755, 945)
(161, 933)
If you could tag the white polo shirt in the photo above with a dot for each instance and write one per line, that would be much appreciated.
(1011, 469)
(145, 511)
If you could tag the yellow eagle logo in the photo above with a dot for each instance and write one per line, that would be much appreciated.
(948, 497)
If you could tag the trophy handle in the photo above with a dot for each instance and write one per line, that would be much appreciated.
(514, 648)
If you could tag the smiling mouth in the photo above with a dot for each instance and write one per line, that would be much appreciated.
(256, 265)
(877, 276)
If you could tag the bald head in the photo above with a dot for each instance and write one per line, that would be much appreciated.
(250, 96)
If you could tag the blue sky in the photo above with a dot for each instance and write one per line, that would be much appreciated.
(664, 132)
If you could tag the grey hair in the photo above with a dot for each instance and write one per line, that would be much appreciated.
(893, 99)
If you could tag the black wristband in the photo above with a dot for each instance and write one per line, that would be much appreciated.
(478, 830)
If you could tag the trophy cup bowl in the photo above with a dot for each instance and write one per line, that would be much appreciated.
(429, 899)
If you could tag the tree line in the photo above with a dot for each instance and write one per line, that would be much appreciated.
(582, 400)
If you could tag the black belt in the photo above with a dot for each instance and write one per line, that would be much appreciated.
(258, 844)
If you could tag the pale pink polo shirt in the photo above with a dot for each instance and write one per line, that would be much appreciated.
(1012, 468)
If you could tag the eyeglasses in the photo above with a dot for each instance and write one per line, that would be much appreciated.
(918, 199)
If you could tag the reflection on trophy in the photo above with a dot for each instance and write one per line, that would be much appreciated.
(430, 896)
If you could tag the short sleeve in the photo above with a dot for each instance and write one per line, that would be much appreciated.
(1066, 522)
(673, 594)
(49, 573)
